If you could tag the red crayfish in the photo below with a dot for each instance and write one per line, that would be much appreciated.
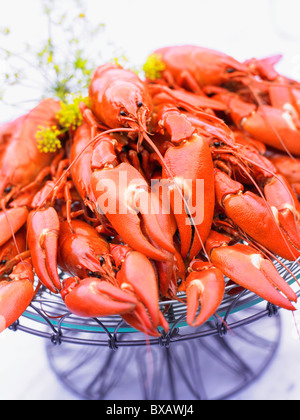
(169, 184)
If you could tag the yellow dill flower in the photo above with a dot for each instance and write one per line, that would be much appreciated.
(48, 139)
(154, 67)
(69, 115)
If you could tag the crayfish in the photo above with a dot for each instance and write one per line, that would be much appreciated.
(175, 183)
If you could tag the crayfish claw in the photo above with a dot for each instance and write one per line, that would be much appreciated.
(250, 269)
(138, 277)
(16, 293)
(43, 231)
(133, 193)
(206, 288)
(139, 319)
(95, 298)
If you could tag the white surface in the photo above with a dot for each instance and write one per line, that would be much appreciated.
(240, 28)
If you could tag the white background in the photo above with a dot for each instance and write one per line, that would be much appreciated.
(243, 29)
(135, 28)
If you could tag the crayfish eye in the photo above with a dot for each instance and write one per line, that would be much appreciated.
(3, 262)
(123, 113)
(102, 260)
(139, 104)
(216, 143)
(230, 70)
(179, 282)
(8, 189)
(94, 274)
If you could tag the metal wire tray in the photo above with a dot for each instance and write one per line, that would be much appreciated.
(47, 317)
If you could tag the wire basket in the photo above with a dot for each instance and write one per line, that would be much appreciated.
(106, 359)
(212, 367)
(48, 317)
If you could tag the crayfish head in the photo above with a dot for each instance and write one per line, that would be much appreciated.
(231, 68)
(130, 107)
(82, 251)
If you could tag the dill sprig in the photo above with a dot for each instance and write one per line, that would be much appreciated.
(154, 67)
(69, 117)
(48, 139)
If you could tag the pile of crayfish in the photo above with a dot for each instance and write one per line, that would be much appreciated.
(179, 182)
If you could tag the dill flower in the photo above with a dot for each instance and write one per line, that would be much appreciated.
(69, 116)
(48, 139)
(154, 67)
